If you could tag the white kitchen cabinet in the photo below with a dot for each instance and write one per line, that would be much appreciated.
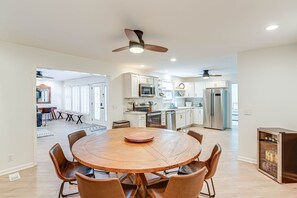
(146, 80)
(189, 89)
(189, 117)
(199, 88)
(131, 85)
(137, 119)
(217, 84)
(180, 118)
(163, 118)
(198, 116)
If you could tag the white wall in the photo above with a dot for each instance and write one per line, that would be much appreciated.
(17, 97)
(56, 93)
(267, 94)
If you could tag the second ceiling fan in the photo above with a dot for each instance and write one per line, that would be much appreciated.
(206, 74)
(137, 45)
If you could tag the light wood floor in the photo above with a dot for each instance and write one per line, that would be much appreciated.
(233, 178)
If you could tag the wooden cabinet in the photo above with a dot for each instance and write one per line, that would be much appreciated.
(277, 154)
(199, 88)
(198, 116)
(136, 119)
(180, 118)
(189, 117)
(131, 85)
(146, 80)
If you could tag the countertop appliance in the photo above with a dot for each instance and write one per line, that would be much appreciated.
(147, 90)
(276, 154)
(170, 120)
(215, 108)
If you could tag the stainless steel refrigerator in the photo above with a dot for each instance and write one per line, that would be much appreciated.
(215, 108)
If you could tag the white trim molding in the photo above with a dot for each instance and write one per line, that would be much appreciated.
(16, 168)
(246, 159)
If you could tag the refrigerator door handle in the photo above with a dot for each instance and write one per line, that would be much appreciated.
(212, 103)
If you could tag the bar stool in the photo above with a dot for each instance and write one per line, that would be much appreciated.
(47, 114)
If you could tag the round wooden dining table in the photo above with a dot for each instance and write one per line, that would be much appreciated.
(110, 151)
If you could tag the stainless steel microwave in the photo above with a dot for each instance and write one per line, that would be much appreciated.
(147, 90)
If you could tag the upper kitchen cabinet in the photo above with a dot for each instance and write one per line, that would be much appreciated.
(199, 88)
(217, 84)
(146, 80)
(189, 89)
(131, 85)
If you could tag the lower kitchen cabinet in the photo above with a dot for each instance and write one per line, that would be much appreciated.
(137, 119)
(189, 117)
(180, 118)
(198, 116)
(163, 118)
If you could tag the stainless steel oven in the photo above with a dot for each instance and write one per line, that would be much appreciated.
(147, 90)
(153, 119)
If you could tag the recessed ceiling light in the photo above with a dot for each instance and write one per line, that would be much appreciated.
(141, 65)
(271, 27)
(173, 59)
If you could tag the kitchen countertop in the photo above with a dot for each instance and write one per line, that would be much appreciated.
(135, 112)
(180, 108)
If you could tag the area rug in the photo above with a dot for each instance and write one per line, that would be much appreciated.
(92, 127)
(42, 132)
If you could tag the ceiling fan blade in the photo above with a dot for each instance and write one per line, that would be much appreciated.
(215, 75)
(131, 35)
(155, 48)
(48, 77)
(120, 49)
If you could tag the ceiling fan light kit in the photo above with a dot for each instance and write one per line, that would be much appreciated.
(136, 48)
(137, 45)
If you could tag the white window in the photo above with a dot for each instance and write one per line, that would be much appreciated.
(75, 99)
(67, 99)
(85, 99)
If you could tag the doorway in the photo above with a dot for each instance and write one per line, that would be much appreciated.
(99, 104)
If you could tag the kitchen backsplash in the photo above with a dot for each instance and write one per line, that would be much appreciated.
(158, 103)
(196, 102)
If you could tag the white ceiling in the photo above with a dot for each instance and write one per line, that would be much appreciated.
(201, 34)
(61, 75)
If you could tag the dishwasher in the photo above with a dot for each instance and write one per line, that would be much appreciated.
(170, 120)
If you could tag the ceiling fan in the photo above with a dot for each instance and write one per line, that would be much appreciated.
(206, 74)
(137, 45)
(40, 75)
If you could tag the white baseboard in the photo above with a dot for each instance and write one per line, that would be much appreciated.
(246, 159)
(16, 168)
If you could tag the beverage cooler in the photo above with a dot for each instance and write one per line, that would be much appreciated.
(277, 154)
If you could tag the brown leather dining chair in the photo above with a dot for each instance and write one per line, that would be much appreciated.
(185, 186)
(73, 137)
(104, 188)
(211, 164)
(65, 169)
(196, 135)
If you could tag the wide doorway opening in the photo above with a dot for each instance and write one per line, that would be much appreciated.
(68, 101)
